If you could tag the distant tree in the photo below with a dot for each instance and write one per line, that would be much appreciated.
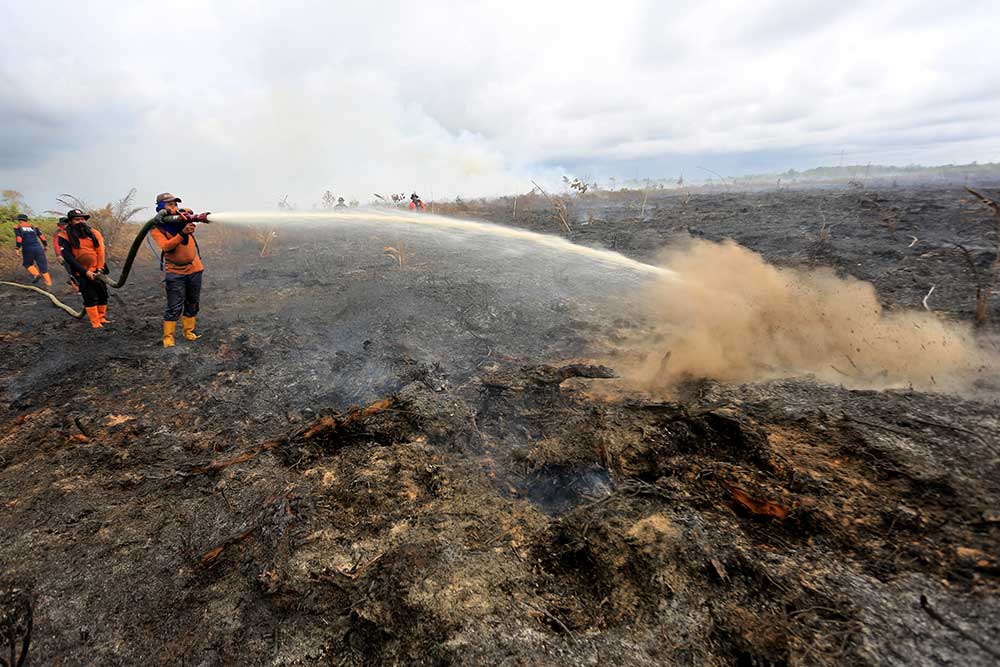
(13, 203)
(329, 200)
(110, 219)
(15, 199)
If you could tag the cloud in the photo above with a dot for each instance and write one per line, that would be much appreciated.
(240, 103)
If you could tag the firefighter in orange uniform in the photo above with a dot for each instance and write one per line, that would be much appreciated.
(84, 252)
(181, 260)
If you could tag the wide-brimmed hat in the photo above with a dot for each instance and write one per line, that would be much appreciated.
(76, 213)
(166, 197)
(21, 217)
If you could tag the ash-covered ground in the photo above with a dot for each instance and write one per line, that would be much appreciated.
(407, 457)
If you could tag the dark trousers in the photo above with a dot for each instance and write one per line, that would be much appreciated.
(94, 292)
(34, 255)
(183, 295)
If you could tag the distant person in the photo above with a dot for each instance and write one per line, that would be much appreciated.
(85, 254)
(57, 246)
(416, 204)
(340, 203)
(181, 260)
(30, 243)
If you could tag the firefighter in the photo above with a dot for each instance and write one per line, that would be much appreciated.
(340, 203)
(61, 227)
(85, 255)
(180, 259)
(31, 245)
(416, 204)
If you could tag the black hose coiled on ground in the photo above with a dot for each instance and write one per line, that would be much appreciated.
(126, 269)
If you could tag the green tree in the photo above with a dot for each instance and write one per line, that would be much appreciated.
(12, 204)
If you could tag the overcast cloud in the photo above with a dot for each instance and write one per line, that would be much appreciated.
(235, 104)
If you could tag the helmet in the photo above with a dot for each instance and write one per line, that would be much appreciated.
(340, 200)
(414, 196)
(166, 197)
(22, 217)
(76, 213)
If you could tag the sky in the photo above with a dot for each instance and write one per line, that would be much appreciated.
(234, 105)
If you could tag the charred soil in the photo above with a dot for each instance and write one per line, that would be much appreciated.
(370, 461)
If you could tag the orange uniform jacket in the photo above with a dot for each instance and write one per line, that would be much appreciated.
(180, 254)
(89, 256)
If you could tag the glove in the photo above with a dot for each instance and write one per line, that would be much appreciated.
(185, 215)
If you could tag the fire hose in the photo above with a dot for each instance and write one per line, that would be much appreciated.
(117, 284)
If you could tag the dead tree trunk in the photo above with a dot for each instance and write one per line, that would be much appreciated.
(985, 288)
(559, 207)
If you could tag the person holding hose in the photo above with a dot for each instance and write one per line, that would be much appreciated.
(181, 260)
(31, 245)
(85, 255)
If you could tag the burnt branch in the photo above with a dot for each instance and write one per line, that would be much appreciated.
(548, 375)
(986, 201)
(16, 620)
(985, 289)
(970, 262)
(83, 429)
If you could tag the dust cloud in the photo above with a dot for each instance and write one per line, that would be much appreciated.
(733, 317)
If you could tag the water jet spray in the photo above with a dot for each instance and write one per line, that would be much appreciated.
(442, 223)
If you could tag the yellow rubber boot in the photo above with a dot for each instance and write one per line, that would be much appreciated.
(168, 333)
(103, 312)
(187, 326)
(48, 279)
(95, 317)
(35, 275)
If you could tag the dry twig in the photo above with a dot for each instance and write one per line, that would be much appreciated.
(931, 291)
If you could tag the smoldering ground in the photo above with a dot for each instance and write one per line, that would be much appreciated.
(228, 505)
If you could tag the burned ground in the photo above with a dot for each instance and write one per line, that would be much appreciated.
(375, 461)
